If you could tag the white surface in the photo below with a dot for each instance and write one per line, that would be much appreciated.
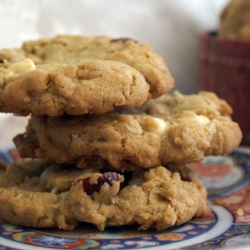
(170, 26)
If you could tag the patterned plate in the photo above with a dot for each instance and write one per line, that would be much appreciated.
(228, 227)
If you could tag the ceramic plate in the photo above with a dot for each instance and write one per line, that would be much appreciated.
(227, 179)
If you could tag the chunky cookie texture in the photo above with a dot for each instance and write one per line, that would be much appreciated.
(178, 128)
(38, 194)
(78, 75)
(95, 86)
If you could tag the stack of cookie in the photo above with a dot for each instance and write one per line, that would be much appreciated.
(108, 144)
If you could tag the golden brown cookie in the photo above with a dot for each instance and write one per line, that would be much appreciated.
(59, 197)
(95, 86)
(179, 128)
(78, 75)
(204, 103)
(235, 20)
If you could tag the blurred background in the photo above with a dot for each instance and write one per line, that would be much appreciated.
(171, 27)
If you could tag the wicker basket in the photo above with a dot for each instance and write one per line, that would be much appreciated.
(224, 68)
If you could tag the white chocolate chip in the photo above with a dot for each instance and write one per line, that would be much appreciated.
(154, 125)
(162, 126)
(202, 119)
(19, 68)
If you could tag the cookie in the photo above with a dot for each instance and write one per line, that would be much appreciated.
(59, 197)
(77, 75)
(204, 103)
(171, 132)
(96, 86)
(235, 20)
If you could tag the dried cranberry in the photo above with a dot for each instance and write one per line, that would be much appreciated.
(107, 177)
